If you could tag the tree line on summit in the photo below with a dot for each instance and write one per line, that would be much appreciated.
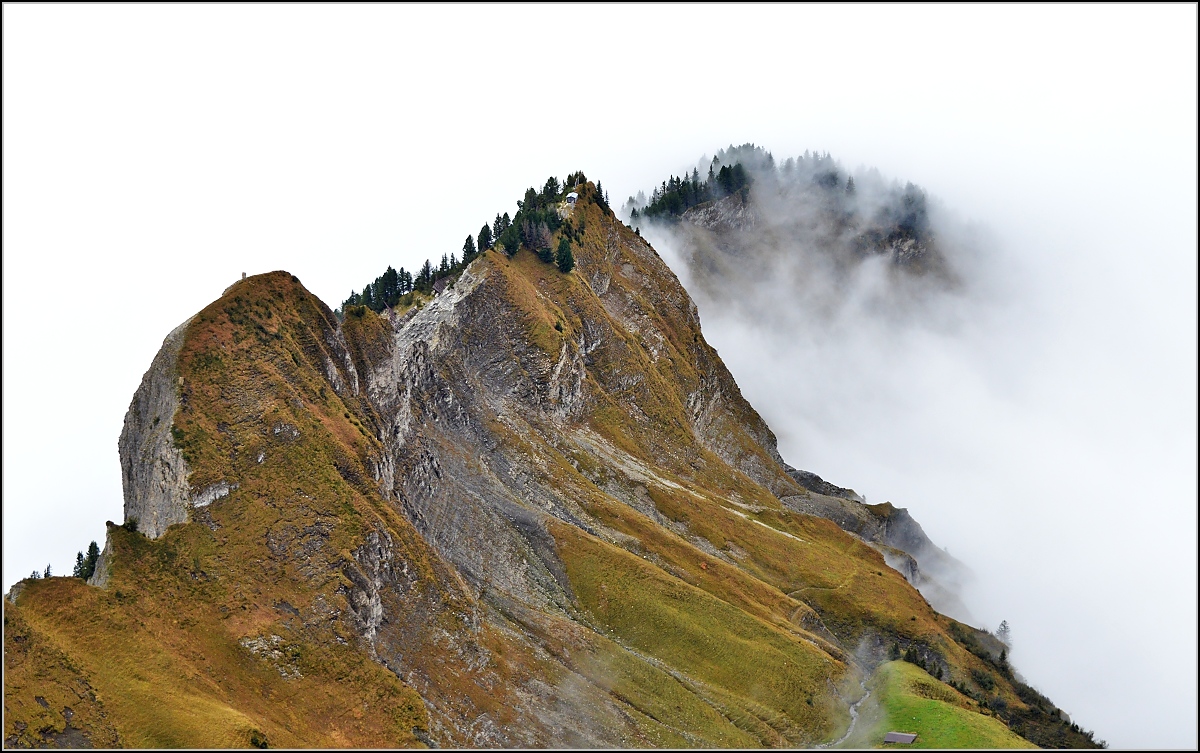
(814, 177)
(535, 226)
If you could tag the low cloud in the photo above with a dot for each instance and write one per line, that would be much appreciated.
(1025, 404)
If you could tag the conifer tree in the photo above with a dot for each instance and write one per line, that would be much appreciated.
(510, 239)
(530, 202)
(564, 257)
(93, 557)
(389, 287)
(85, 565)
(468, 249)
(485, 238)
(424, 281)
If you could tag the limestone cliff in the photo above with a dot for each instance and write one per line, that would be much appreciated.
(154, 474)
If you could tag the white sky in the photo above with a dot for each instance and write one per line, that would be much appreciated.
(152, 154)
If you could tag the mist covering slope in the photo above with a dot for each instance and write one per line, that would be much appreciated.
(533, 510)
(842, 300)
(805, 248)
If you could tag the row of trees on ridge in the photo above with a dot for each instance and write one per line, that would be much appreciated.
(534, 226)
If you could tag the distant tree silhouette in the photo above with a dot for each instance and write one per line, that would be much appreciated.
(1004, 633)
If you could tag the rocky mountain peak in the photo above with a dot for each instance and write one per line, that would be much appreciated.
(528, 508)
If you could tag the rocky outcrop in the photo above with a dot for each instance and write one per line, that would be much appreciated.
(103, 569)
(473, 416)
(815, 483)
(728, 213)
(154, 474)
(14, 591)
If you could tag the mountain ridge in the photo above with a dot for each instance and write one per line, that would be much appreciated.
(531, 510)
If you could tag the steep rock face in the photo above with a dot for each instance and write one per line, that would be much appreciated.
(463, 374)
(511, 402)
(103, 569)
(154, 474)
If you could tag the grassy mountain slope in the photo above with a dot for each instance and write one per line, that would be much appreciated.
(906, 699)
(532, 510)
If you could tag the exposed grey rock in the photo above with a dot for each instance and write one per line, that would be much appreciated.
(900, 561)
(212, 493)
(444, 387)
(728, 213)
(475, 423)
(274, 650)
(103, 569)
(14, 591)
(815, 483)
(154, 474)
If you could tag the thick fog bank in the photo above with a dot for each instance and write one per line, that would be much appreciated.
(1037, 417)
